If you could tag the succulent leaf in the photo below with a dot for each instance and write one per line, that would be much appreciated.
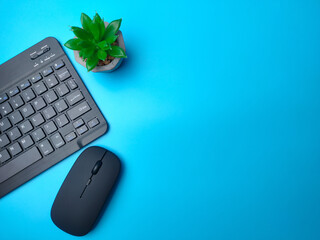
(117, 51)
(112, 28)
(85, 44)
(81, 33)
(86, 21)
(102, 29)
(92, 62)
(102, 55)
(81, 54)
(102, 44)
(73, 44)
(111, 39)
(100, 23)
(95, 28)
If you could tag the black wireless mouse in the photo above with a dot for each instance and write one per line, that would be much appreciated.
(85, 190)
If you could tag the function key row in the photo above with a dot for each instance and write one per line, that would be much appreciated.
(50, 96)
(14, 91)
(36, 54)
(62, 75)
(3, 97)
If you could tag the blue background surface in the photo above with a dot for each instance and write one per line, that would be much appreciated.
(215, 116)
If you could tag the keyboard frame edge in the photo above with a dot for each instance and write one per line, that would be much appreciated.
(48, 161)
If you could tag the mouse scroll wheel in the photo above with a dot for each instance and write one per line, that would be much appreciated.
(96, 167)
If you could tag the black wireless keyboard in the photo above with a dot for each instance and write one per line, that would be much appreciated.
(46, 113)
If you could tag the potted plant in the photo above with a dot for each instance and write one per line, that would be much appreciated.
(98, 45)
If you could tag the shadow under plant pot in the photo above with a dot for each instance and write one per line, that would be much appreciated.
(113, 65)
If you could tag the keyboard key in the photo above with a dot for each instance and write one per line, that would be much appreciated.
(49, 112)
(27, 110)
(5, 109)
(28, 95)
(72, 84)
(5, 124)
(40, 52)
(82, 130)
(69, 137)
(46, 147)
(50, 127)
(74, 97)
(3, 97)
(39, 103)
(26, 141)
(61, 105)
(40, 88)
(14, 149)
(58, 64)
(78, 110)
(25, 85)
(47, 71)
(16, 117)
(33, 55)
(62, 120)
(14, 91)
(46, 49)
(94, 122)
(51, 81)
(19, 163)
(62, 90)
(43, 50)
(25, 127)
(51, 96)
(78, 123)
(14, 134)
(37, 119)
(4, 156)
(63, 74)
(38, 134)
(35, 78)
(17, 102)
(4, 140)
(57, 140)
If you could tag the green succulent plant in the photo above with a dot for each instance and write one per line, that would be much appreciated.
(95, 41)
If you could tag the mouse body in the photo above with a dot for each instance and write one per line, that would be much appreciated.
(85, 190)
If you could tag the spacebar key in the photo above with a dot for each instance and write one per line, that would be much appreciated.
(19, 163)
